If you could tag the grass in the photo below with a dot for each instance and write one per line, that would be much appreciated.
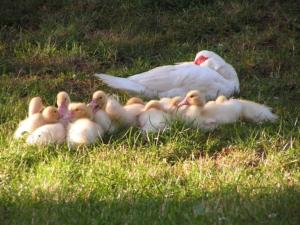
(238, 174)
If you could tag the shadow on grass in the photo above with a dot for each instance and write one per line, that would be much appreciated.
(228, 206)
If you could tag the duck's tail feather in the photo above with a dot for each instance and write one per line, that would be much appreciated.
(122, 83)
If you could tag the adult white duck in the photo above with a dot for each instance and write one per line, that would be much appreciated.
(208, 73)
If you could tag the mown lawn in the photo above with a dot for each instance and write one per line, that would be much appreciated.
(238, 174)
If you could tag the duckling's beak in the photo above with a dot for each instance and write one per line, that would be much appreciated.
(183, 102)
(62, 110)
(68, 116)
(93, 104)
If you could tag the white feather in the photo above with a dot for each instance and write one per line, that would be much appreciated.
(256, 112)
(124, 84)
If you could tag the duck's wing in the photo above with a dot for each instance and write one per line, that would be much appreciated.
(203, 79)
(173, 80)
(165, 78)
(158, 79)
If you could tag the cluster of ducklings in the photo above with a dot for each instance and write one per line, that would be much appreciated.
(83, 124)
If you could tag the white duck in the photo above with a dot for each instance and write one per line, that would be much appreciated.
(35, 120)
(82, 130)
(98, 104)
(52, 133)
(208, 73)
(210, 115)
(153, 118)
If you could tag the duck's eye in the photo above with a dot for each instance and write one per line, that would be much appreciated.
(192, 96)
(76, 110)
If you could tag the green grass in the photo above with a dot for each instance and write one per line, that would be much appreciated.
(238, 174)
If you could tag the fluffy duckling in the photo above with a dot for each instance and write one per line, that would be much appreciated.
(98, 105)
(121, 115)
(222, 111)
(82, 130)
(170, 105)
(35, 121)
(251, 111)
(135, 100)
(63, 100)
(35, 106)
(165, 102)
(134, 106)
(53, 133)
(208, 116)
(219, 100)
(153, 117)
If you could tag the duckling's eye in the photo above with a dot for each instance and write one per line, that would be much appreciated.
(192, 96)
(76, 110)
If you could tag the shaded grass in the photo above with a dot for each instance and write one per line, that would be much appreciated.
(238, 174)
(188, 211)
